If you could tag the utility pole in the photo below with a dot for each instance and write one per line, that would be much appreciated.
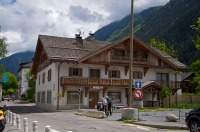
(131, 58)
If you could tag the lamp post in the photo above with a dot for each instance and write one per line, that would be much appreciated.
(131, 57)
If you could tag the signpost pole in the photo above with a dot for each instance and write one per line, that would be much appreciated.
(79, 102)
(138, 109)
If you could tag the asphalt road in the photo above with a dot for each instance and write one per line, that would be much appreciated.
(67, 121)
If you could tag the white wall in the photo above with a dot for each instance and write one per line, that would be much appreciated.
(64, 71)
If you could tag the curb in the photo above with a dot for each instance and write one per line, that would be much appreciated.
(161, 126)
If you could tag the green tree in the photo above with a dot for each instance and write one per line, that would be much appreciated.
(3, 51)
(164, 93)
(11, 91)
(12, 83)
(195, 66)
(30, 93)
(161, 45)
(197, 29)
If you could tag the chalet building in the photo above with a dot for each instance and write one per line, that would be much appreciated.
(186, 82)
(22, 81)
(63, 65)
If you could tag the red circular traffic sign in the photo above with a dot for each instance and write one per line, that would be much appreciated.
(138, 94)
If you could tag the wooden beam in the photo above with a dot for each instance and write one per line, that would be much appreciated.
(63, 91)
(104, 91)
(86, 91)
(126, 70)
(106, 69)
(145, 70)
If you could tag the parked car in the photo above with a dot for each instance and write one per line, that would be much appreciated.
(192, 120)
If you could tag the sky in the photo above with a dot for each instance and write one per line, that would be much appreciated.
(22, 21)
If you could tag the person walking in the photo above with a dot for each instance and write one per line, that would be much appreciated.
(109, 102)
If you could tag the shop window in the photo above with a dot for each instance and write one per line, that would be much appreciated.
(73, 97)
(115, 97)
(49, 97)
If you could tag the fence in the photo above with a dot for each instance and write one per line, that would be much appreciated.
(15, 120)
(180, 99)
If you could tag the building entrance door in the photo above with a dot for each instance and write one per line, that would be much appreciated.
(93, 99)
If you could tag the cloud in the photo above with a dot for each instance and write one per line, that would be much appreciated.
(23, 20)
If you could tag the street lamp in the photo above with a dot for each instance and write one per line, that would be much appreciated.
(131, 57)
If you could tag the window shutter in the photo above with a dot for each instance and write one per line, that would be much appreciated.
(70, 71)
(118, 74)
(133, 74)
(140, 75)
(109, 74)
(80, 72)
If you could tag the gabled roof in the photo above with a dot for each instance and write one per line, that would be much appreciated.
(66, 48)
(185, 75)
(62, 48)
(24, 65)
(150, 83)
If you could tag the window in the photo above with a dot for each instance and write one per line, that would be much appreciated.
(38, 97)
(49, 75)
(73, 97)
(162, 78)
(119, 53)
(134, 53)
(137, 75)
(115, 97)
(95, 73)
(43, 77)
(43, 97)
(49, 97)
(75, 72)
(114, 74)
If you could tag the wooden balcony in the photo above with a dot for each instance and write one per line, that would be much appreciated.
(169, 84)
(93, 81)
(136, 60)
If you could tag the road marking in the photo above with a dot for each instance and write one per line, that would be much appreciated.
(52, 130)
(143, 128)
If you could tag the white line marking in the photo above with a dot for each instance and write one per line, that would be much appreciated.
(142, 128)
(52, 130)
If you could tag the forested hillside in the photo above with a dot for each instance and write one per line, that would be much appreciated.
(11, 63)
(170, 22)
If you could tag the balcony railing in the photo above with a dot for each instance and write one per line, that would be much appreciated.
(136, 60)
(93, 81)
(168, 83)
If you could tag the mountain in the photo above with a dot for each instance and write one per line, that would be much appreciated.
(11, 63)
(170, 22)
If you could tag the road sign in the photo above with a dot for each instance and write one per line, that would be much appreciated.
(79, 91)
(138, 84)
(138, 93)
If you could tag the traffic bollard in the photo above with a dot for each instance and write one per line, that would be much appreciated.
(13, 119)
(47, 129)
(18, 122)
(10, 117)
(35, 126)
(7, 116)
(25, 124)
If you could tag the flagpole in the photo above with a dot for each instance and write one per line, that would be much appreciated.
(131, 57)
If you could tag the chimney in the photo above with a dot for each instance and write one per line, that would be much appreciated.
(91, 37)
(79, 40)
